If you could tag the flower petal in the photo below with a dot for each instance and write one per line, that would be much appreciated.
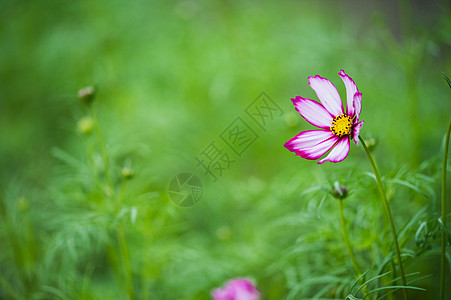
(357, 105)
(313, 112)
(351, 89)
(220, 294)
(311, 144)
(356, 132)
(339, 152)
(237, 289)
(327, 94)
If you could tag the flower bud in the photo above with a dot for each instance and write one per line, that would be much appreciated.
(127, 173)
(85, 125)
(339, 191)
(371, 143)
(87, 95)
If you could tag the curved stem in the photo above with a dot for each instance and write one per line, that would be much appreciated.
(347, 241)
(443, 257)
(388, 214)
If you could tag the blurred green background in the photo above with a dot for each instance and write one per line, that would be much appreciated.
(170, 76)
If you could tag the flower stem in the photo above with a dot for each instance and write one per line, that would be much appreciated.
(125, 257)
(347, 241)
(388, 214)
(444, 242)
(357, 271)
(120, 234)
(101, 145)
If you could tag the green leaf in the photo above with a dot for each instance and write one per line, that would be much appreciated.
(357, 280)
(352, 297)
(409, 185)
(369, 280)
(396, 287)
(443, 227)
(447, 79)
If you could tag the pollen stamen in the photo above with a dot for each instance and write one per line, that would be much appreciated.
(341, 125)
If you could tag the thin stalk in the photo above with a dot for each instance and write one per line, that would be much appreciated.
(123, 247)
(347, 241)
(101, 145)
(444, 242)
(344, 228)
(125, 257)
(121, 196)
(388, 214)
(120, 235)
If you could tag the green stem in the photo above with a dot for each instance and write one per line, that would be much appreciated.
(443, 257)
(347, 241)
(125, 257)
(121, 196)
(123, 247)
(388, 214)
(102, 147)
(357, 271)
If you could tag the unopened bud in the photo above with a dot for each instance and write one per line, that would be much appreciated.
(339, 191)
(371, 144)
(87, 95)
(85, 125)
(127, 173)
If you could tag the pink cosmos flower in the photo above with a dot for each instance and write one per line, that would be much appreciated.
(337, 128)
(237, 289)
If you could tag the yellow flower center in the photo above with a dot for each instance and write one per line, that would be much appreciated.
(341, 125)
